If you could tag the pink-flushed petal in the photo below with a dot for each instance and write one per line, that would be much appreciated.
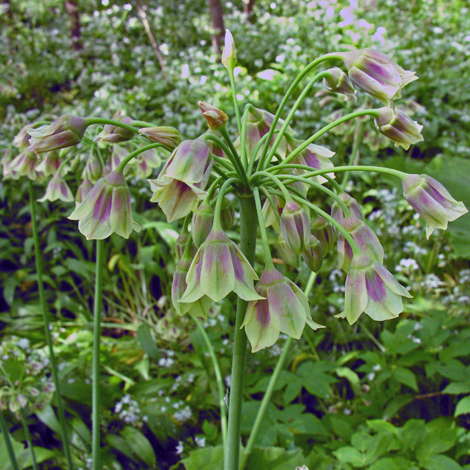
(387, 310)
(217, 274)
(355, 300)
(244, 276)
(96, 225)
(368, 242)
(121, 212)
(286, 309)
(189, 161)
(389, 280)
(260, 330)
(193, 280)
(90, 201)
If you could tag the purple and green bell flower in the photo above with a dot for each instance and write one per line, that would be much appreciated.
(313, 255)
(372, 289)
(82, 191)
(432, 201)
(181, 183)
(167, 136)
(322, 230)
(57, 188)
(336, 81)
(376, 74)
(295, 227)
(201, 224)
(287, 253)
(21, 140)
(112, 134)
(399, 127)
(199, 308)
(64, 132)
(106, 209)
(282, 307)
(219, 268)
(50, 164)
(24, 164)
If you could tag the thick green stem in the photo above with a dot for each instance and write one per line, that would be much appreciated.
(220, 383)
(247, 245)
(29, 440)
(272, 383)
(98, 304)
(47, 331)
(6, 437)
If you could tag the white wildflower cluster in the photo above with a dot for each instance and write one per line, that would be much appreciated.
(431, 282)
(407, 265)
(129, 412)
(183, 415)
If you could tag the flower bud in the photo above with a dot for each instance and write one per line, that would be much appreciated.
(336, 81)
(65, 132)
(227, 214)
(92, 170)
(286, 253)
(83, 190)
(399, 127)
(295, 227)
(112, 134)
(313, 255)
(21, 140)
(229, 56)
(180, 246)
(377, 74)
(201, 224)
(323, 232)
(432, 201)
(216, 119)
(167, 136)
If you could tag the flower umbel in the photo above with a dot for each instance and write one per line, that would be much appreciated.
(284, 309)
(106, 209)
(432, 201)
(219, 268)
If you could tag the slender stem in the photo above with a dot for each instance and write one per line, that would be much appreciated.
(9, 446)
(226, 137)
(278, 183)
(262, 229)
(337, 122)
(284, 127)
(217, 225)
(235, 101)
(256, 150)
(248, 107)
(220, 382)
(97, 307)
(247, 245)
(47, 331)
(354, 152)
(134, 154)
(289, 92)
(29, 440)
(96, 120)
(272, 383)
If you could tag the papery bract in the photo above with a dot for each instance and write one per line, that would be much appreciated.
(432, 201)
(219, 268)
(284, 309)
(370, 288)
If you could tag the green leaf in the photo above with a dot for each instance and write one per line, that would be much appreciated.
(139, 445)
(23, 455)
(351, 376)
(463, 406)
(207, 457)
(144, 336)
(406, 377)
(165, 230)
(392, 463)
(350, 455)
(437, 441)
(440, 462)
(395, 404)
(47, 416)
(308, 424)
(457, 388)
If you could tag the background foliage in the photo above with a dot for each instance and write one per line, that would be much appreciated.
(385, 396)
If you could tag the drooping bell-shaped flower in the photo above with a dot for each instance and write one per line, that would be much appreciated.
(143, 164)
(287, 253)
(93, 170)
(82, 191)
(21, 140)
(282, 308)
(24, 164)
(167, 136)
(106, 209)
(376, 74)
(65, 132)
(57, 188)
(372, 289)
(313, 255)
(432, 201)
(50, 163)
(272, 215)
(227, 214)
(219, 268)
(112, 134)
(200, 307)
(181, 183)
(322, 230)
(295, 227)
(314, 156)
(336, 81)
(399, 127)
(216, 118)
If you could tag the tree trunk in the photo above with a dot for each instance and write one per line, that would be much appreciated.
(217, 18)
(75, 34)
(249, 4)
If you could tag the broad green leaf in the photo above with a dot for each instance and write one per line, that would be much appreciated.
(23, 455)
(48, 417)
(440, 462)
(392, 463)
(144, 336)
(207, 457)
(436, 442)
(457, 388)
(351, 376)
(463, 406)
(406, 377)
(396, 404)
(350, 455)
(139, 445)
